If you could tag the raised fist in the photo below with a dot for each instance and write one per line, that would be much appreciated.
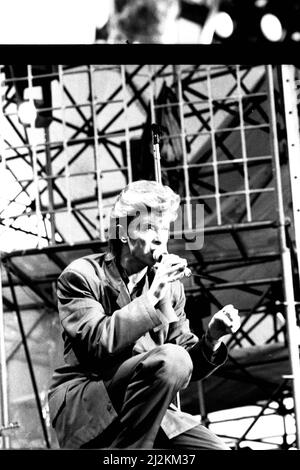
(224, 322)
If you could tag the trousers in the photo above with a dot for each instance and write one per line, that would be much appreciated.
(141, 390)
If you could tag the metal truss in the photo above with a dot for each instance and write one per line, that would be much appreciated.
(223, 147)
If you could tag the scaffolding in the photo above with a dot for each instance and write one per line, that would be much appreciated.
(226, 147)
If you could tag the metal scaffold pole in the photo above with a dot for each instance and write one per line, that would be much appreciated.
(155, 128)
(4, 395)
(293, 140)
(3, 373)
(289, 302)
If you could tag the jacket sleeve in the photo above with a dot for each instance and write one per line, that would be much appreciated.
(87, 324)
(204, 361)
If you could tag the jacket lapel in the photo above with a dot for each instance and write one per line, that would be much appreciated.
(115, 280)
(123, 297)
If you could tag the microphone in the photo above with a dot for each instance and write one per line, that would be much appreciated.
(158, 256)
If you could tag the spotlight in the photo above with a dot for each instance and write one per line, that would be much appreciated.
(261, 3)
(296, 36)
(271, 27)
(39, 93)
(224, 25)
(293, 29)
(27, 113)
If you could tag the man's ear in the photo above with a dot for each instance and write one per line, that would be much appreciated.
(122, 233)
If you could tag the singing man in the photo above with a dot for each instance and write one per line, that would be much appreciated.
(128, 348)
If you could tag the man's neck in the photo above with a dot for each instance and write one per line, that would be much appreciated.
(134, 279)
(131, 265)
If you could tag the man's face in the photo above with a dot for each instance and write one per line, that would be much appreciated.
(147, 233)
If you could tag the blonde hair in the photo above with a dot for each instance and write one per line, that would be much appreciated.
(150, 194)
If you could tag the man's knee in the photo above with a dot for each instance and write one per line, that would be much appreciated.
(198, 437)
(176, 364)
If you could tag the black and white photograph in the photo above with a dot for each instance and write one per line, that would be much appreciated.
(149, 228)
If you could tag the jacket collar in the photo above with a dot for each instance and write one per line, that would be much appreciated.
(117, 282)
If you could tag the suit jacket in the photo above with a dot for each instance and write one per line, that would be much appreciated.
(103, 325)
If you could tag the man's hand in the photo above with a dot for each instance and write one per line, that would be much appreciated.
(168, 270)
(224, 322)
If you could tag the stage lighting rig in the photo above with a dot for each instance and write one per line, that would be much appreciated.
(257, 21)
